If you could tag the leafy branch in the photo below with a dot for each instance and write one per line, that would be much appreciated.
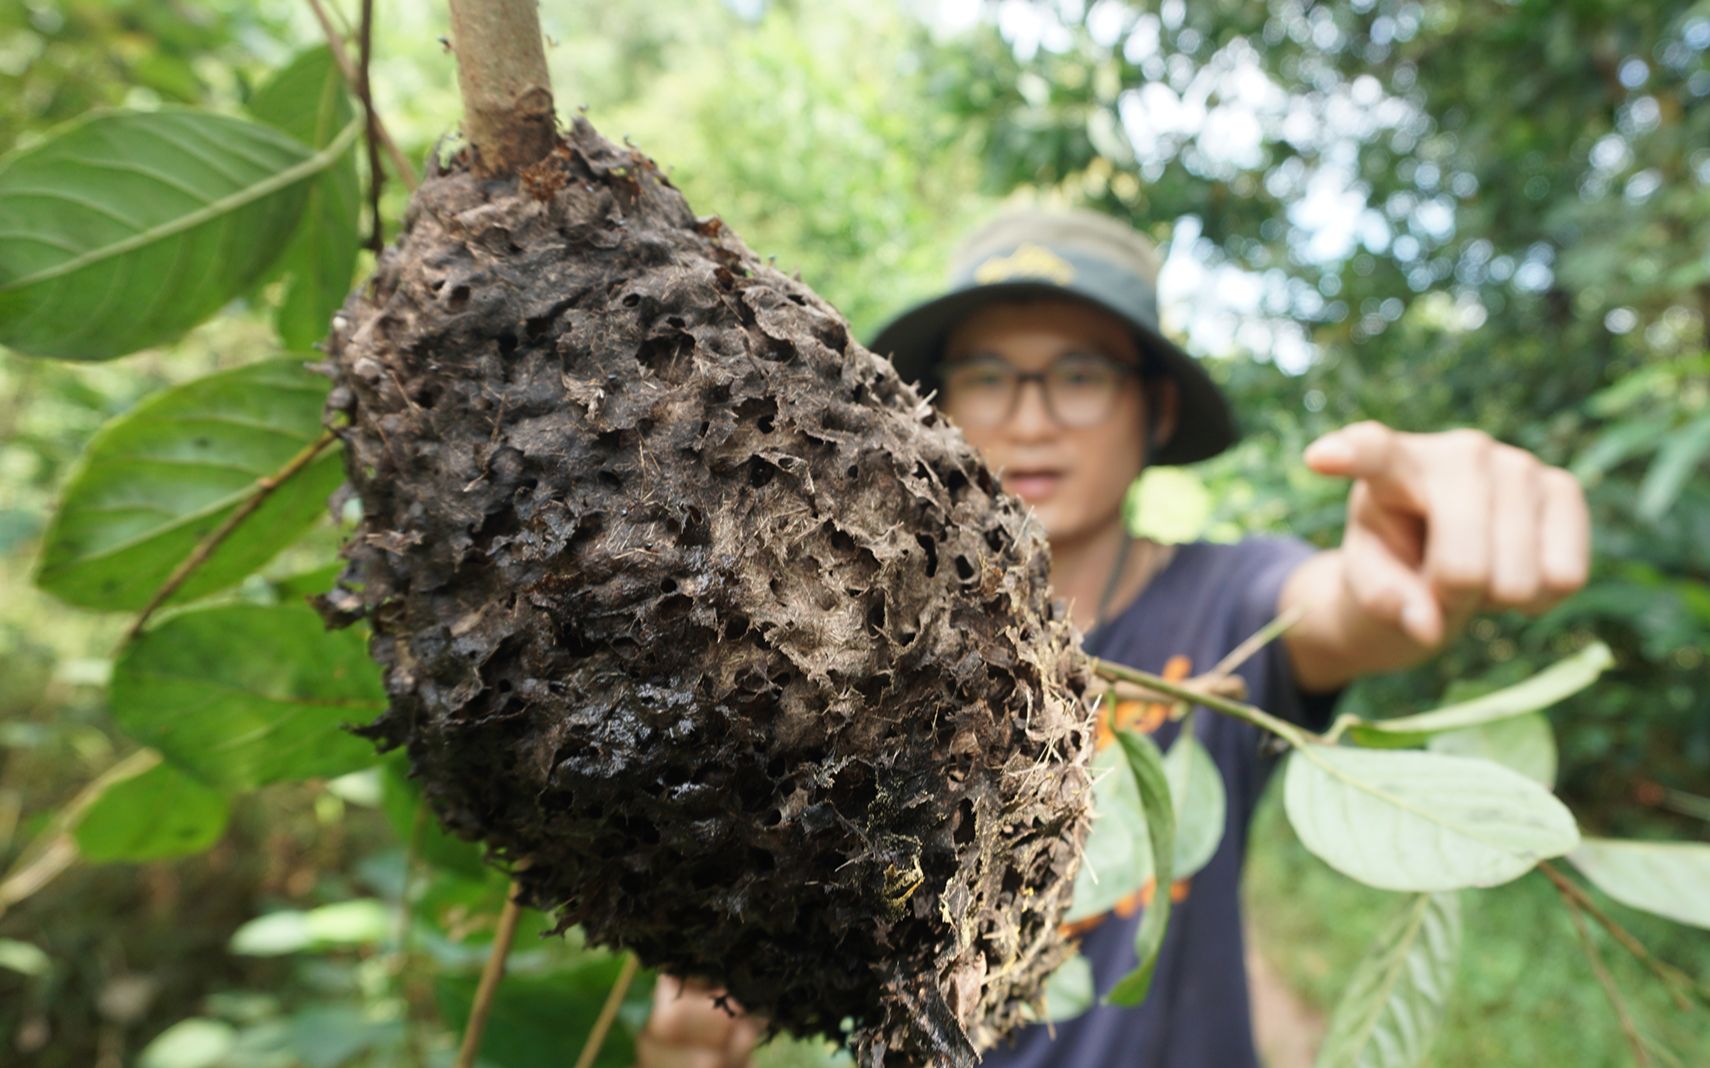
(264, 488)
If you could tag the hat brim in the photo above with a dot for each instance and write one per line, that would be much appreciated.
(914, 342)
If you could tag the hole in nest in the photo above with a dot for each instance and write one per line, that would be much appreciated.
(761, 411)
(537, 327)
(459, 297)
(761, 860)
(507, 343)
(609, 479)
(760, 472)
(964, 832)
(667, 585)
(630, 300)
(964, 569)
(841, 541)
(931, 548)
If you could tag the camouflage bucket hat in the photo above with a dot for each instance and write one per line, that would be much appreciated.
(1030, 253)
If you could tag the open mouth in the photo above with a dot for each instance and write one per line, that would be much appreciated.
(1032, 485)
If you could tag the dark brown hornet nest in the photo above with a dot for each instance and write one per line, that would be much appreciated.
(705, 623)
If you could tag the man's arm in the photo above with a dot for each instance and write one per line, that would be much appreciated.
(1440, 527)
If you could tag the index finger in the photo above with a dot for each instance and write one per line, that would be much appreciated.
(1376, 454)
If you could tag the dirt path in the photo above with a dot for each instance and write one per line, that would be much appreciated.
(1288, 1030)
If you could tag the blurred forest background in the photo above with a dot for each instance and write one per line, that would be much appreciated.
(1434, 213)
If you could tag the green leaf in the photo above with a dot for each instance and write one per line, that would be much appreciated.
(538, 1021)
(1069, 990)
(1616, 444)
(155, 481)
(1525, 744)
(23, 958)
(1407, 820)
(1671, 879)
(1147, 767)
(307, 100)
(192, 1043)
(244, 695)
(1393, 1004)
(1114, 862)
(327, 1036)
(1196, 792)
(1675, 462)
(125, 229)
(1117, 860)
(343, 924)
(1557, 682)
(159, 813)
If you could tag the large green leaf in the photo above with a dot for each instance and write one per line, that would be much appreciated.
(1117, 859)
(1671, 879)
(1393, 1003)
(1069, 990)
(159, 813)
(125, 229)
(154, 481)
(1525, 744)
(1114, 862)
(243, 695)
(1557, 682)
(1196, 791)
(1147, 767)
(307, 100)
(1407, 820)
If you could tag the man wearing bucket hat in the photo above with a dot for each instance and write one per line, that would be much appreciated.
(1046, 350)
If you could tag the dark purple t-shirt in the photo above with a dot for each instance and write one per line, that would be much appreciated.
(1205, 601)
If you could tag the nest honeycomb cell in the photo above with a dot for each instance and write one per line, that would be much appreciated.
(715, 633)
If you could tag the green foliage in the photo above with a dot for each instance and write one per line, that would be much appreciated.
(156, 481)
(1524, 994)
(1407, 820)
(1199, 801)
(1525, 744)
(1395, 998)
(308, 100)
(1530, 212)
(1555, 683)
(538, 1020)
(1146, 764)
(244, 695)
(158, 813)
(126, 229)
(1667, 878)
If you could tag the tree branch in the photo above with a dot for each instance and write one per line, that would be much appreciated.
(400, 166)
(490, 976)
(1672, 977)
(1613, 993)
(501, 72)
(608, 1012)
(1257, 717)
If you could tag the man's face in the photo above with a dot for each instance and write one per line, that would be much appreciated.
(1073, 460)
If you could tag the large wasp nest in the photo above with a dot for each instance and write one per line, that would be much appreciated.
(706, 624)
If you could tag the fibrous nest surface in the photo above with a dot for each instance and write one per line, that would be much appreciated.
(716, 634)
